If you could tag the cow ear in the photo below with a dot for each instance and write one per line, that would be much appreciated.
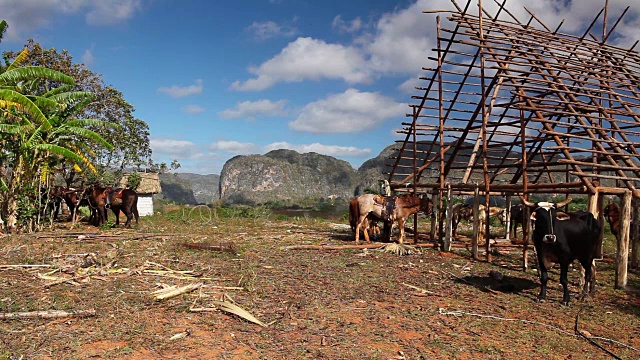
(562, 216)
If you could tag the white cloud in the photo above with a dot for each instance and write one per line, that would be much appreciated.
(330, 150)
(409, 85)
(351, 111)
(109, 12)
(235, 147)
(269, 29)
(88, 58)
(346, 26)
(182, 91)
(308, 59)
(240, 148)
(402, 41)
(251, 109)
(193, 109)
(26, 16)
(175, 149)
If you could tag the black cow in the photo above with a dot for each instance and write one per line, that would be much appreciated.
(517, 217)
(74, 199)
(561, 237)
(52, 200)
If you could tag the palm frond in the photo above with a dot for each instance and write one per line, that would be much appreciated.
(61, 151)
(44, 103)
(93, 122)
(71, 97)
(6, 104)
(10, 128)
(27, 73)
(17, 129)
(88, 134)
(28, 106)
(81, 149)
(58, 90)
(19, 60)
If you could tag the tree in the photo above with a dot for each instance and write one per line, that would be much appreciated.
(38, 130)
(130, 139)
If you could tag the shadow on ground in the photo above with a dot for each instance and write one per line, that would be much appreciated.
(495, 281)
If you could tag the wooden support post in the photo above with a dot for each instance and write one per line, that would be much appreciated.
(635, 234)
(622, 254)
(526, 226)
(595, 207)
(487, 227)
(449, 226)
(434, 222)
(507, 222)
(476, 230)
(441, 210)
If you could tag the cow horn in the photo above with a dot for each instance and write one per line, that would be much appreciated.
(564, 202)
(526, 202)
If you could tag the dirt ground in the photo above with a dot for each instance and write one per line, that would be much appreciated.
(315, 304)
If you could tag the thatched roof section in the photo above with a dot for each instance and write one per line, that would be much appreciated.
(150, 183)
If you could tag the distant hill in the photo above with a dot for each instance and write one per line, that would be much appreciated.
(189, 188)
(285, 176)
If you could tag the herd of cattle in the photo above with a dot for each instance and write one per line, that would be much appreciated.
(558, 236)
(97, 198)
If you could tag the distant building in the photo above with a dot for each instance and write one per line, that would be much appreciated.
(149, 185)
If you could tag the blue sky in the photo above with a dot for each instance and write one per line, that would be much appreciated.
(218, 78)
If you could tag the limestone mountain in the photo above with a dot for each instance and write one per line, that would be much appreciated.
(285, 176)
(373, 170)
(189, 188)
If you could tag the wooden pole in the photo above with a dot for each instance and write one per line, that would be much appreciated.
(635, 234)
(449, 227)
(476, 232)
(595, 207)
(622, 254)
(441, 116)
(507, 214)
(434, 222)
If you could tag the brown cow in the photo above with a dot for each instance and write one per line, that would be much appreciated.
(400, 209)
(97, 198)
(460, 211)
(125, 200)
(354, 215)
(612, 213)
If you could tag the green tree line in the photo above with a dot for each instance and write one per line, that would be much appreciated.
(60, 124)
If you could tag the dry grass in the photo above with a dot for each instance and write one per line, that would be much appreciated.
(343, 304)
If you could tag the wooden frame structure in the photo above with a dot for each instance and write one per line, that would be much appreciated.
(515, 108)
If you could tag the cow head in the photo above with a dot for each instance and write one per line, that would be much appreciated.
(502, 216)
(543, 216)
(466, 212)
(426, 205)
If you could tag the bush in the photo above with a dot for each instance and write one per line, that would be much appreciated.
(133, 180)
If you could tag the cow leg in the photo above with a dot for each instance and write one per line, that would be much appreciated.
(564, 270)
(386, 233)
(359, 225)
(135, 213)
(525, 254)
(400, 230)
(588, 278)
(544, 275)
(116, 212)
(127, 213)
(454, 225)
